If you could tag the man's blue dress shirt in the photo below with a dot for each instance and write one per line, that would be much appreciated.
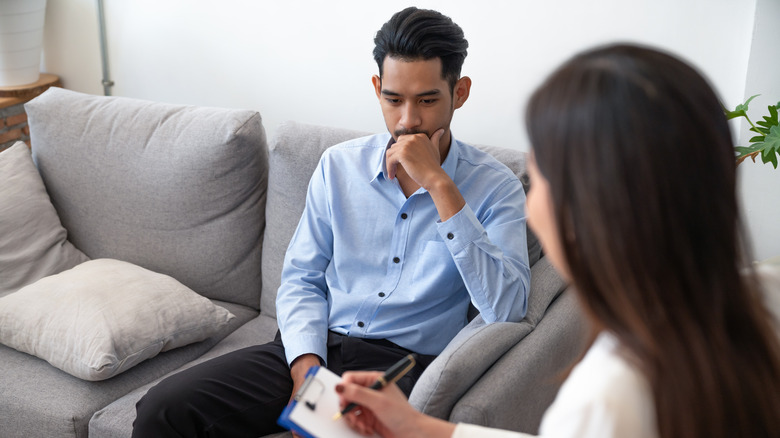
(365, 261)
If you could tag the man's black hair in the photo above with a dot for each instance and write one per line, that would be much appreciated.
(415, 34)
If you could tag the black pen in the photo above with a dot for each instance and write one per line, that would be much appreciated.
(391, 376)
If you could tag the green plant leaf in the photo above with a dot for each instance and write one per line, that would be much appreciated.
(743, 107)
(772, 115)
(740, 110)
(744, 150)
(772, 140)
(767, 141)
(769, 156)
(734, 114)
(771, 146)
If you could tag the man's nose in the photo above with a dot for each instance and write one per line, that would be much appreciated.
(410, 117)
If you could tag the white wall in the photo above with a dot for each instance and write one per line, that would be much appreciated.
(760, 183)
(310, 61)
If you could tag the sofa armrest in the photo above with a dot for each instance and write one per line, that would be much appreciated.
(519, 387)
(462, 363)
(479, 345)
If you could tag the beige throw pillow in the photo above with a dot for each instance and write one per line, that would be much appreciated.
(105, 316)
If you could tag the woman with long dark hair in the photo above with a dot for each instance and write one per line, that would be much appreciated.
(633, 196)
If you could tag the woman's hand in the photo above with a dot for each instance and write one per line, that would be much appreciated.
(385, 412)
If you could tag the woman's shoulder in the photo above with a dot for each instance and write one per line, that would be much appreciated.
(605, 396)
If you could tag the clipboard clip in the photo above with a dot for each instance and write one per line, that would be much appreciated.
(310, 398)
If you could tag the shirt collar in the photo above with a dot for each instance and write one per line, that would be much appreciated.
(449, 165)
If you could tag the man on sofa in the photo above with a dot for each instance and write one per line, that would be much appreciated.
(400, 232)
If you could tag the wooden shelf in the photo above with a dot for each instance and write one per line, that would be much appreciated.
(22, 93)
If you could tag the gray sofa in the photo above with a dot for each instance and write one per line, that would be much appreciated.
(199, 195)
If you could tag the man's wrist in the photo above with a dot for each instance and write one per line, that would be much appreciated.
(447, 198)
(305, 361)
(440, 181)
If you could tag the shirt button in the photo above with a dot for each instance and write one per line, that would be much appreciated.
(450, 236)
(360, 324)
(404, 216)
(396, 260)
(381, 294)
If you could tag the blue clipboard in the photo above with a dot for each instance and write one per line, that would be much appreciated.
(310, 413)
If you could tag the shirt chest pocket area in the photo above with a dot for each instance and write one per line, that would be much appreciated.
(435, 269)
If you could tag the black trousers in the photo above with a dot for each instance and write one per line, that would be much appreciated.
(241, 394)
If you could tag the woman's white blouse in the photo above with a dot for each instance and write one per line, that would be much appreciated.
(603, 397)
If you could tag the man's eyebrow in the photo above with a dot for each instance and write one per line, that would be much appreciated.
(433, 92)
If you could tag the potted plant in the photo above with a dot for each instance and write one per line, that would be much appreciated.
(767, 141)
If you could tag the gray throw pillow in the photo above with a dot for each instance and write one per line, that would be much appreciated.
(33, 243)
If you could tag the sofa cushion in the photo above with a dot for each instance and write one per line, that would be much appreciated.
(517, 389)
(44, 401)
(293, 156)
(478, 346)
(162, 186)
(105, 316)
(116, 419)
(515, 160)
(33, 243)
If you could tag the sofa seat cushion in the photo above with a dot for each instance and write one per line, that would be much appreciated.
(33, 243)
(40, 400)
(116, 419)
(176, 189)
(105, 316)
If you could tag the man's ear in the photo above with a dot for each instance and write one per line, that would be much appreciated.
(377, 81)
(461, 91)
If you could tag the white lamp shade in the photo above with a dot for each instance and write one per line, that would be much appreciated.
(21, 39)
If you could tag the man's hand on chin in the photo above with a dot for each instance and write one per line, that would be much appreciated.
(420, 158)
(419, 155)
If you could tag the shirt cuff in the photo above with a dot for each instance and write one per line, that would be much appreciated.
(461, 230)
(305, 344)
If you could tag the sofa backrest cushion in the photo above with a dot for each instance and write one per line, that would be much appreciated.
(515, 160)
(33, 243)
(294, 154)
(179, 190)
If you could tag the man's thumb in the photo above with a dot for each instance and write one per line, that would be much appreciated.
(436, 137)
